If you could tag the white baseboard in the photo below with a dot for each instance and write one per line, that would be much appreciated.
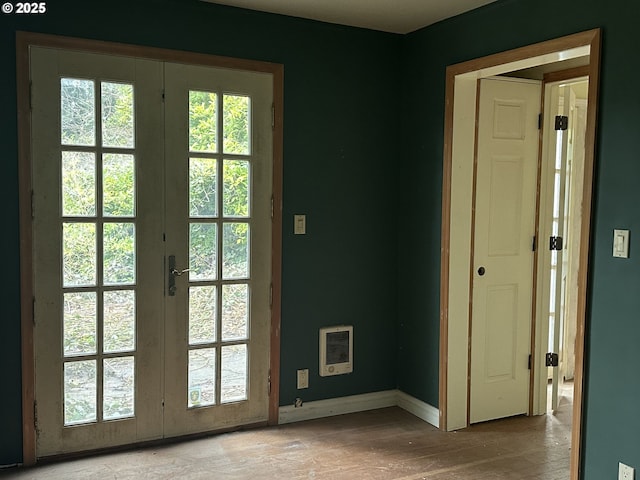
(359, 403)
(420, 409)
(338, 406)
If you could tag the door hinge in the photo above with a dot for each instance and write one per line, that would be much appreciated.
(272, 207)
(533, 244)
(555, 243)
(551, 359)
(35, 418)
(163, 95)
(539, 121)
(562, 122)
(529, 364)
(273, 115)
(269, 383)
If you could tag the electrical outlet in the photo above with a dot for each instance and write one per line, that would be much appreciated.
(303, 378)
(625, 472)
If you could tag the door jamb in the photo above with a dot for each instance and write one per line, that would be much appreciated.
(546, 52)
(24, 40)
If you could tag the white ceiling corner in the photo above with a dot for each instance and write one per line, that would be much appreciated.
(395, 16)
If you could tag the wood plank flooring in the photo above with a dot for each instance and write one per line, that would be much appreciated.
(386, 444)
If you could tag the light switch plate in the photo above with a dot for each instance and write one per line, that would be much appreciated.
(299, 224)
(621, 243)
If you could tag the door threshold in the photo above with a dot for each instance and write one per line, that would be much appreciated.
(160, 442)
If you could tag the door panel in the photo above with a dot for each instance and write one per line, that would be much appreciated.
(218, 321)
(502, 330)
(503, 257)
(95, 332)
(120, 356)
(505, 207)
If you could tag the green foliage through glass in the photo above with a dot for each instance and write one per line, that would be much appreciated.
(77, 107)
(117, 115)
(203, 122)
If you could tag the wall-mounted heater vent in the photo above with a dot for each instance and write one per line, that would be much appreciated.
(336, 350)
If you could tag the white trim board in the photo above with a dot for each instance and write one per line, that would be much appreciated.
(420, 409)
(359, 403)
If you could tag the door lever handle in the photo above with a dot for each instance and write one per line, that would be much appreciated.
(177, 273)
(173, 273)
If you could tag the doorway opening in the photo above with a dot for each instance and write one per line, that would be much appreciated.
(459, 145)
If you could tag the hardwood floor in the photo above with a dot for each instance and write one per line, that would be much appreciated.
(386, 444)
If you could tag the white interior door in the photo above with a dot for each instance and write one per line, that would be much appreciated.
(507, 154)
(120, 356)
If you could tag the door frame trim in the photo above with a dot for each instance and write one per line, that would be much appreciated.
(490, 65)
(24, 40)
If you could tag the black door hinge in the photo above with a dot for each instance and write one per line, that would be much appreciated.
(562, 122)
(551, 359)
(529, 364)
(555, 243)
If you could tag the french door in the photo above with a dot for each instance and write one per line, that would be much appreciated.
(152, 248)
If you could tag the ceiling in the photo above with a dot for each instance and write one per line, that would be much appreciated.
(396, 16)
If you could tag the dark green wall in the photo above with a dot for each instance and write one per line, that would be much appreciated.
(612, 418)
(340, 152)
(363, 159)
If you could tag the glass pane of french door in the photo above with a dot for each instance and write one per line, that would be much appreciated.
(120, 356)
(218, 228)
